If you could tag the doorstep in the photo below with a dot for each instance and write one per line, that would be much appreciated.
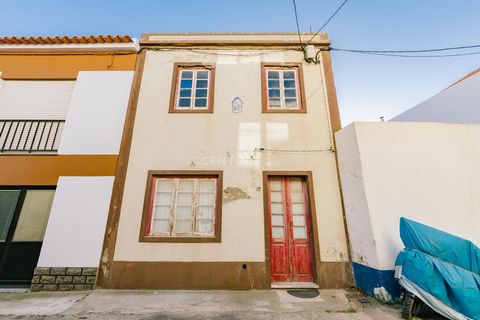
(294, 285)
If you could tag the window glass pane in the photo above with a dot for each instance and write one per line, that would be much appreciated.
(205, 212)
(204, 227)
(299, 233)
(162, 212)
(184, 212)
(273, 84)
(274, 103)
(276, 207)
(184, 103)
(164, 185)
(164, 198)
(187, 74)
(8, 202)
(278, 232)
(202, 75)
(273, 75)
(34, 215)
(183, 226)
(273, 93)
(200, 102)
(288, 75)
(185, 185)
(160, 227)
(298, 208)
(290, 93)
(206, 198)
(296, 196)
(184, 198)
(276, 196)
(296, 185)
(289, 83)
(291, 103)
(186, 84)
(185, 93)
(201, 93)
(202, 83)
(206, 185)
(299, 220)
(277, 220)
(275, 185)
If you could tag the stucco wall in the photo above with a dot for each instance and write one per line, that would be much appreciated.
(428, 172)
(96, 114)
(76, 225)
(227, 141)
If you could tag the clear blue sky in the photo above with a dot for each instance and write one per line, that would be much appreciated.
(367, 86)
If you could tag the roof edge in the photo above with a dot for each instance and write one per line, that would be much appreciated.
(92, 43)
(255, 39)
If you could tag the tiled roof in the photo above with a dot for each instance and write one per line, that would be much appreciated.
(67, 40)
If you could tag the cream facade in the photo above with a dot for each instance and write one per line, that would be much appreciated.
(245, 146)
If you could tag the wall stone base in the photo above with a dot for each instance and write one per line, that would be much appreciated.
(64, 279)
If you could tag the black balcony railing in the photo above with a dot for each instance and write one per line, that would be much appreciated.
(30, 135)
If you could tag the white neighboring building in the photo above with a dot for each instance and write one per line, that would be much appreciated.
(424, 164)
(459, 103)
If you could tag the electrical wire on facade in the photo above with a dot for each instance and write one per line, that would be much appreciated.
(293, 150)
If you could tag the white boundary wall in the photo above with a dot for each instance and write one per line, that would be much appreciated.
(428, 172)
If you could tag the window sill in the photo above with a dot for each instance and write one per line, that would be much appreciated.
(197, 239)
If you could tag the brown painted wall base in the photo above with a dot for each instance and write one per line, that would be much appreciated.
(334, 275)
(188, 275)
(211, 275)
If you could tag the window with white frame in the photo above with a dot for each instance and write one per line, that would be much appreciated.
(183, 206)
(193, 89)
(282, 89)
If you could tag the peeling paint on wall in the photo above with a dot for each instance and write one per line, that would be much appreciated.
(234, 193)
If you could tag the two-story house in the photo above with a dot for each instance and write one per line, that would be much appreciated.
(63, 102)
(227, 174)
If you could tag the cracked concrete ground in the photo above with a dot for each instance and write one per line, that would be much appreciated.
(192, 305)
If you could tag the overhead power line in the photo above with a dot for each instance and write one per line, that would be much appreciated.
(416, 56)
(298, 26)
(407, 51)
(326, 22)
(420, 53)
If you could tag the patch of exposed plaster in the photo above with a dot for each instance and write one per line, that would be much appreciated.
(234, 193)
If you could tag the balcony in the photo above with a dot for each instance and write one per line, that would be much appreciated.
(28, 136)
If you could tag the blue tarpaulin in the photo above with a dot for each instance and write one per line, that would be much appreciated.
(444, 267)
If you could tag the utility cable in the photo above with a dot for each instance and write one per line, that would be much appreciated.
(407, 51)
(298, 26)
(410, 55)
(326, 22)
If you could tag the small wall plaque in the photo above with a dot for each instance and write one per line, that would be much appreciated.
(237, 104)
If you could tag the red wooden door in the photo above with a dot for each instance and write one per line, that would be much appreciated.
(290, 243)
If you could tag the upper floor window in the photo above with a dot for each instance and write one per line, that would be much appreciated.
(182, 206)
(282, 88)
(192, 88)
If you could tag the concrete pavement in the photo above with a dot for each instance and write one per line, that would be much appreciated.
(194, 305)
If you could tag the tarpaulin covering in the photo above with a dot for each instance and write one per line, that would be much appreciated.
(445, 266)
